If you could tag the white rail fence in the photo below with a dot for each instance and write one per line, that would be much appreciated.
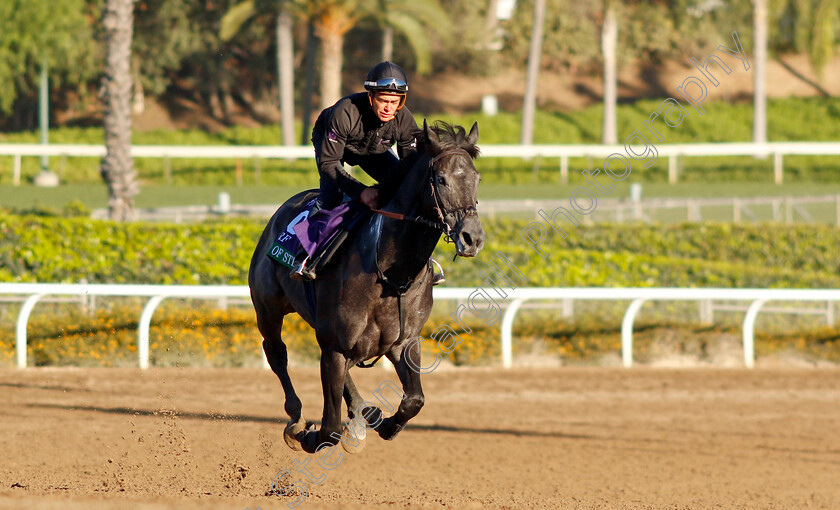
(778, 150)
(516, 299)
(787, 209)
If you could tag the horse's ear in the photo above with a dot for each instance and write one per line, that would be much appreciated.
(473, 136)
(431, 135)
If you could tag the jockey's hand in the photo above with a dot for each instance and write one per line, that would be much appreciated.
(370, 197)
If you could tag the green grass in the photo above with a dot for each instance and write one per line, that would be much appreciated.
(94, 196)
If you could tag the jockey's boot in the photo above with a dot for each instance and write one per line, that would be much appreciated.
(303, 270)
(437, 278)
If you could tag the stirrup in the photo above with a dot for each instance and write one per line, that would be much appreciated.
(437, 279)
(302, 273)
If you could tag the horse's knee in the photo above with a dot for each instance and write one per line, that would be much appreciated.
(413, 404)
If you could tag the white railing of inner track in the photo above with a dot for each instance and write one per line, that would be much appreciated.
(517, 297)
(670, 151)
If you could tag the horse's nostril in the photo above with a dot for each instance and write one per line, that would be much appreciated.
(467, 238)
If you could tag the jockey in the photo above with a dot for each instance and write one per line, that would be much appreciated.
(359, 130)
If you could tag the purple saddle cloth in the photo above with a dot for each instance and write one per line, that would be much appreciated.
(317, 229)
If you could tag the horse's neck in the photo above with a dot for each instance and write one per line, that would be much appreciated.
(406, 246)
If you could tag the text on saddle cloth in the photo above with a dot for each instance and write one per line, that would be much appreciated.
(286, 246)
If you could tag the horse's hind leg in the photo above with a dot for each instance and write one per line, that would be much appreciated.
(278, 360)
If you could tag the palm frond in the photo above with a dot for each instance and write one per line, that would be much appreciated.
(416, 35)
(233, 20)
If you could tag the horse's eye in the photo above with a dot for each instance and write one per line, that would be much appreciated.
(441, 181)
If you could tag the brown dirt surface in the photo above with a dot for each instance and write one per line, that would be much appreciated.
(535, 438)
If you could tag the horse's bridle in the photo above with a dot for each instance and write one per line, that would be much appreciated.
(442, 213)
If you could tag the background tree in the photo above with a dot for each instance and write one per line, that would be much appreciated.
(33, 31)
(534, 58)
(166, 33)
(117, 166)
(609, 38)
(332, 19)
(412, 20)
(233, 21)
(811, 27)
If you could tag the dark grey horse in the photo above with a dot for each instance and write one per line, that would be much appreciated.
(373, 300)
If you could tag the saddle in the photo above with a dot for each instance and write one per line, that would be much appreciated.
(319, 235)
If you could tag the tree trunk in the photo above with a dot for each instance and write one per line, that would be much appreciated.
(117, 167)
(285, 74)
(491, 25)
(387, 43)
(759, 96)
(534, 57)
(609, 36)
(311, 49)
(332, 43)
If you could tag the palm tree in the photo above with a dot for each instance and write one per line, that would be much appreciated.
(233, 21)
(117, 167)
(413, 20)
(332, 19)
(534, 53)
(609, 37)
(759, 96)
(814, 31)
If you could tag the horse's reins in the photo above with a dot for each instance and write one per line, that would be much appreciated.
(441, 225)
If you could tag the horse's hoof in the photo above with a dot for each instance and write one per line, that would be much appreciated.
(354, 432)
(293, 429)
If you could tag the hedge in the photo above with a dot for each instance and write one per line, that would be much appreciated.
(52, 249)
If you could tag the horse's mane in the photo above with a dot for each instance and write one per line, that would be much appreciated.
(452, 137)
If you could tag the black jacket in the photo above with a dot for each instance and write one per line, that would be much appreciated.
(349, 129)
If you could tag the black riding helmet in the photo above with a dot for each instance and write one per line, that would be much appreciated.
(387, 77)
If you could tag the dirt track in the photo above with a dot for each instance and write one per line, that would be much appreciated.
(527, 438)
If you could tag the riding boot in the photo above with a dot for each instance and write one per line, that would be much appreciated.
(437, 278)
(304, 270)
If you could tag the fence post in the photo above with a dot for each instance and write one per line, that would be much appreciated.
(564, 169)
(507, 331)
(706, 312)
(20, 332)
(568, 307)
(143, 331)
(627, 332)
(16, 171)
(749, 332)
(837, 208)
(672, 169)
(778, 168)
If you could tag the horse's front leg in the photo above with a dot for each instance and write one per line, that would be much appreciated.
(413, 398)
(334, 368)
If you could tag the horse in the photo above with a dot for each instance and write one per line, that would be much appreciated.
(361, 299)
